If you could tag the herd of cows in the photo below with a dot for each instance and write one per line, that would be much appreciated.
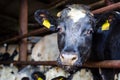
(44, 50)
(81, 37)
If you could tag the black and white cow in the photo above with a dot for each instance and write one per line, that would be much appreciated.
(80, 40)
(56, 73)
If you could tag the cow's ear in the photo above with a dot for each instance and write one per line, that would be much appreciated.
(59, 14)
(44, 18)
(39, 15)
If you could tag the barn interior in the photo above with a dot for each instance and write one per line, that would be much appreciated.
(10, 13)
(17, 22)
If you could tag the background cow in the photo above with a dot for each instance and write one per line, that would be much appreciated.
(8, 72)
(56, 72)
(45, 50)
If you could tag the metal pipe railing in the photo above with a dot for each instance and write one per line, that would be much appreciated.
(100, 64)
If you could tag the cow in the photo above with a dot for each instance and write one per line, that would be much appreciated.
(45, 50)
(8, 72)
(82, 74)
(82, 37)
(56, 73)
(31, 73)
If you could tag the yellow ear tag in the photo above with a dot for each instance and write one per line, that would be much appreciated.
(39, 78)
(61, 79)
(46, 23)
(106, 25)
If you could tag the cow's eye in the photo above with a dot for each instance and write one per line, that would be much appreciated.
(90, 31)
(61, 29)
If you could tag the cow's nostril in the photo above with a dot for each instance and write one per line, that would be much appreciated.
(74, 58)
(62, 56)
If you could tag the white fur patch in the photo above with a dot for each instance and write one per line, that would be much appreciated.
(82, 75)
(55, 72)
(76, 14)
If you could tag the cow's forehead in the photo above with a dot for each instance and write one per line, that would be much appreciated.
(76, 14)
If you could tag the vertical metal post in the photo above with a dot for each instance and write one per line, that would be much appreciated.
(23, 29)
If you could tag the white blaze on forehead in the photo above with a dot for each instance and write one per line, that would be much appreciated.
(76, 14)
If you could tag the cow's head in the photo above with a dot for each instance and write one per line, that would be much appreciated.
(75, 35)
(75, 25)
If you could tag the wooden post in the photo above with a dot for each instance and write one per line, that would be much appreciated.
(23, 29)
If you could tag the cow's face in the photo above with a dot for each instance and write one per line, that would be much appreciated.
(74, 36)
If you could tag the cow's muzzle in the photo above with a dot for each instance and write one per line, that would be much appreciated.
(68, 59)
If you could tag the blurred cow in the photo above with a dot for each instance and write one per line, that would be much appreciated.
(8, 72)
(56, 72)
(30, 72)
(46, 50)
(82, 74)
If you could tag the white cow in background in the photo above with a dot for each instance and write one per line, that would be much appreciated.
(55, 72)
(8, 72)
(26, 72)
(11, 48)
(82, 74)
(46, 50)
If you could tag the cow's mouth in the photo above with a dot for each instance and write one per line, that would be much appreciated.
(70, 68)
(67, 67)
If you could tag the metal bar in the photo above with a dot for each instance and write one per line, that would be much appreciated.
(96, 3)
(8, 18)
(58, 4)
(108, 2)
(47, 63)
(53, 3)
(101, 64)
(23, 29)
(107, 8)
(35, 32)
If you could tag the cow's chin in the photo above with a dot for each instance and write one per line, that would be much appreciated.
(70, 68)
